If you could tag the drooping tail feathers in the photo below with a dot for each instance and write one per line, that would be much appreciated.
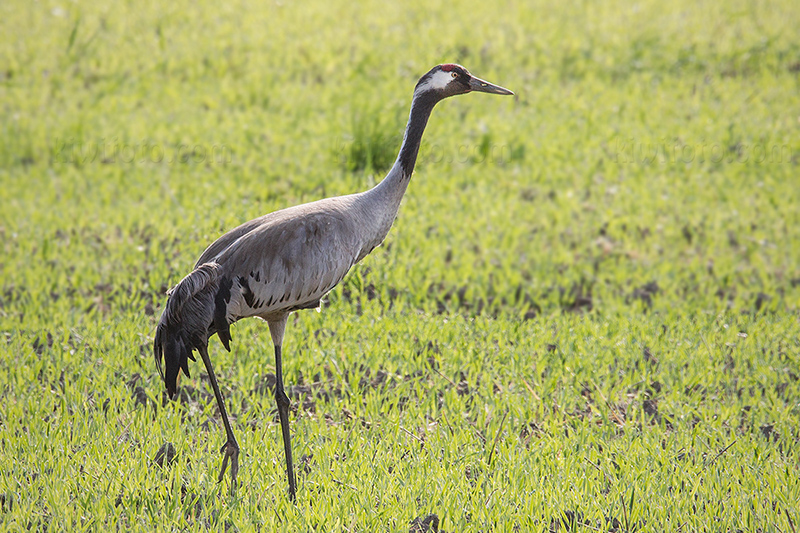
(187, 323)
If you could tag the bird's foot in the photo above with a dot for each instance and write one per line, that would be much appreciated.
(230, 450)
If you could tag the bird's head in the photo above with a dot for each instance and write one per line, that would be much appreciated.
(450, 79)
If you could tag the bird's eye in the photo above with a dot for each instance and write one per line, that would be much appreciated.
(454, 74)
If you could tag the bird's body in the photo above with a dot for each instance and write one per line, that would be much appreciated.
(275, 264)
(289, 259)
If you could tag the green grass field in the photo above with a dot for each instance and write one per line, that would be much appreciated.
(586, 317)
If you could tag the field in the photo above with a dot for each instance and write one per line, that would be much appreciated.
(585, 318)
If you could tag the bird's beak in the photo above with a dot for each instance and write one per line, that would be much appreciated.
(483, 86)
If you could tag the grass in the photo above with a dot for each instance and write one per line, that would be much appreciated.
(585, 317)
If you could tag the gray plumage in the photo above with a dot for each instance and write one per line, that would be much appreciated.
(270, 266)
(289, 259)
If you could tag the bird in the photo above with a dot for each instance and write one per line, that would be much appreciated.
(288, 260)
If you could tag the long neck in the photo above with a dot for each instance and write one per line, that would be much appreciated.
(382, 202)
(393, 186)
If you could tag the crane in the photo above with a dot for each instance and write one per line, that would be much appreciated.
(288, 260)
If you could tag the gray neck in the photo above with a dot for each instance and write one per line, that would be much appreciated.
(382, 202)
(394, 185)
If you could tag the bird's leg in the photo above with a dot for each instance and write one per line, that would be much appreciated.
(283, 413)
(276, 328)
(230, 449)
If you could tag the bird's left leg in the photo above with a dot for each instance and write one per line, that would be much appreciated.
(231, 447)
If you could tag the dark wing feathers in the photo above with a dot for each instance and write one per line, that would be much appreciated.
(222, 299)
(184, 324)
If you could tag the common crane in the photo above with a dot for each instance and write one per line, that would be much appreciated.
(288, 260)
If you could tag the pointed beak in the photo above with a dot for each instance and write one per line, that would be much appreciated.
(483, 86)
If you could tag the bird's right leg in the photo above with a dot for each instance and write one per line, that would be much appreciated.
(276, 329)
(231, 448)
(283, 413)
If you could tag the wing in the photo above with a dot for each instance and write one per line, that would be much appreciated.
(335, 206)
(286, 263)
